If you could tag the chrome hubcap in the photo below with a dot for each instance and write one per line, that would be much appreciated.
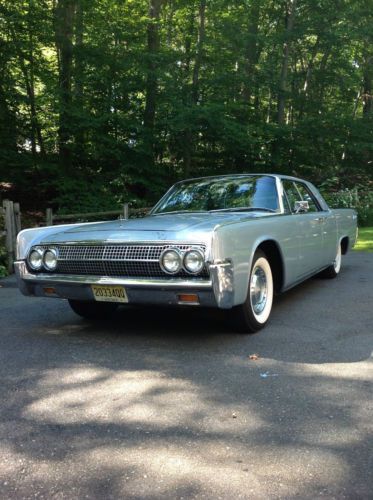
(258, 290)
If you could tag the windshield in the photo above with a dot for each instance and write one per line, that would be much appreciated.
(231, 193)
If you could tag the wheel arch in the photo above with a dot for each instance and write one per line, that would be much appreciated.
(345, 244)
(272, 250)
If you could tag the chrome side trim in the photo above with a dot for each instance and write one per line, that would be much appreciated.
(44, 278)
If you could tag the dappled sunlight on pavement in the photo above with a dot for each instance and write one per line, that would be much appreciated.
(80, 395)
(143, 432)
(173, 405)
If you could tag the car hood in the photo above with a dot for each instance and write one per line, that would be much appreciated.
(188, 227)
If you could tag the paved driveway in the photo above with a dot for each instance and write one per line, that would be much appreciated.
(167, 404)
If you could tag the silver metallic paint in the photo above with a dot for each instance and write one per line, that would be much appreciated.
(307, 243)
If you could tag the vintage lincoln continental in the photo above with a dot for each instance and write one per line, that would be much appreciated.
(229, 242)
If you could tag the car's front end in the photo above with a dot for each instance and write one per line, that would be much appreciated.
(121, 264)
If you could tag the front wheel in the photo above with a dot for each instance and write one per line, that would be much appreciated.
(333, 270)
(90, 309)
(254, 313)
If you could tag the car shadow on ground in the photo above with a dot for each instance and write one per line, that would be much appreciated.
(304, 328)
(165, 403)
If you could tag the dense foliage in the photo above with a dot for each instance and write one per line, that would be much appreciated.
(103, 101)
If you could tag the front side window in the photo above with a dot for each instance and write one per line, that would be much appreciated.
(306, 196)
(292, 193)
(231, 193)
(297, 191)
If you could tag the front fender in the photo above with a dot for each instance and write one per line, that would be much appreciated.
(29, 237)
(238, 243)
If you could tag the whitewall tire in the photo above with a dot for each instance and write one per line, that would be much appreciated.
(333, 270)
(254, 313)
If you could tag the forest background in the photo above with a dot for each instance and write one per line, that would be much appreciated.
(111, 101)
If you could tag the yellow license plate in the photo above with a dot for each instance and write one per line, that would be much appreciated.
(106, 293)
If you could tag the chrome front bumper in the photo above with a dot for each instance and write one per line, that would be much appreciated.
(214, 292)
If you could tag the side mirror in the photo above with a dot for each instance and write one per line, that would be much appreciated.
(301, 206)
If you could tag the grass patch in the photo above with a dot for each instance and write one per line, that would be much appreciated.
(365, 239)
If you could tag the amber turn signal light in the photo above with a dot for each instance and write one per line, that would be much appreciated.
(188, 298)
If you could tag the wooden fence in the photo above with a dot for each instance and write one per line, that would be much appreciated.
(51, 218)
(11, 214)
(125, 213)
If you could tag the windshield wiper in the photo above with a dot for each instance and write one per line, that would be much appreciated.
(237, 209)
(245, 209)
(181, 212)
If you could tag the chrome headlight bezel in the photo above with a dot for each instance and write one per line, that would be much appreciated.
(179, 259)
(201, 260)
(39, 251)
(47, 266)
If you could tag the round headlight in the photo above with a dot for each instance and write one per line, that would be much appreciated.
(194, 261)
(35, 259)
(50, 259)
(171, 261)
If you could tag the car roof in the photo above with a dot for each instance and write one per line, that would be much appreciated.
(263, 174)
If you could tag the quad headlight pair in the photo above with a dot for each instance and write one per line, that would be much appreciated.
(43, 258)
(172, 260)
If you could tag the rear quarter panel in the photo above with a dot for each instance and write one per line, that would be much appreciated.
(346, 219)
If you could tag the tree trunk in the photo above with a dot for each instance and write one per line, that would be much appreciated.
(153, 49)
(199, 51)
(306, 84)
(367, 96)
(65, 11)
(188, 43)
(251, 52)
(322, 87)
(36, 134)
(36, 130)
(79, 77)
(8, 135)
(367, 86)
(289, 23)
(188, 139)
(151, 88)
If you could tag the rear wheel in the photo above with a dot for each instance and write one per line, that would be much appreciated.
(333, 270)
(254, 313)
(93, 310)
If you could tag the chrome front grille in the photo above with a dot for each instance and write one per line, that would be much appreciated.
(117, 260)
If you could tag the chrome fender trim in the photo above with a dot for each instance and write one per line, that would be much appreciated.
(223, 283)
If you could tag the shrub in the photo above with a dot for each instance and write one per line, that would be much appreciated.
(357, 198)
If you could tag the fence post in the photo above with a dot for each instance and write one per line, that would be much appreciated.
(17, 217)
(49, 217)
(125, 211)
(14, 230)
(10, 229)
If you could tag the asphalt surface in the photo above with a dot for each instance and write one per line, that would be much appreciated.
(161, 403)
